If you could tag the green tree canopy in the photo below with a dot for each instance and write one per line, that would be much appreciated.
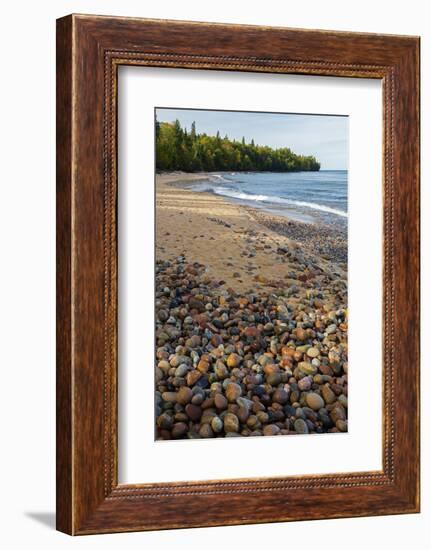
(177, 149)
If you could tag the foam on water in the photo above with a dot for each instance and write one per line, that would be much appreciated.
(320, 187)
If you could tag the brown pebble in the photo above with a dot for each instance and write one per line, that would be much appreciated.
(206, 431)
(341, 425)
(257, 406)
(274, 378)
(233, 360)
(207, 416)
(220, 401)
(328, 395)
(179, 430)
(208, 403)
(164, 365)
(216, 340)
(252, 421)
(300, 334)
(184, 395)
(165, 421)
(198, 399)
(196, 304)
(192, 377)
(203, 366)
(337, 413)
(169, 396)
(193, 412)
(251, 332)
(231, 423)
(233, 391)
(262, 416)
(313, 352)
(314, 401)
(221, 371)
(271, 429)
(243, 414)
(280, 396)
(326, 369)
(271, 369)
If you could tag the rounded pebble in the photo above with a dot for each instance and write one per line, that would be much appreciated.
(314, 401)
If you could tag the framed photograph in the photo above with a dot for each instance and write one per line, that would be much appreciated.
(237, 274)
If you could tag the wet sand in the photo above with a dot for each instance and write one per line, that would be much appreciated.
(247, 248)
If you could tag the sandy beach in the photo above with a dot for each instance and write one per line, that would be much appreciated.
(251, 308)
(247, 248)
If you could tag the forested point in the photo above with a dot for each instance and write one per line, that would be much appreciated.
(177, 149)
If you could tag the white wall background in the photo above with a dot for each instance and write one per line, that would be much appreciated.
(27, 280)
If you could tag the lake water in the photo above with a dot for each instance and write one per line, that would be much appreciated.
(305, 196)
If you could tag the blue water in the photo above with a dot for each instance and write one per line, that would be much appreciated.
(310, 195)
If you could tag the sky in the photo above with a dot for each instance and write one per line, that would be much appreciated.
(323, 136)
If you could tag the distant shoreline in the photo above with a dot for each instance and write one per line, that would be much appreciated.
(303, 209)
(177, 148)
(304, 230)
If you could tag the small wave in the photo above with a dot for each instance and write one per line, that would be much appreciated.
(219, 177)
(277, 200)
(204, 187)
(240, 195)
(322, 208)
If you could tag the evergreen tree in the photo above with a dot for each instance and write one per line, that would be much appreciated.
(176, 149)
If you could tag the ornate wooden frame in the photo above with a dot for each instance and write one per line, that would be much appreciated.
(89, 51)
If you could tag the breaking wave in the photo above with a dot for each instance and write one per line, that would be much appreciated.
(241, 195)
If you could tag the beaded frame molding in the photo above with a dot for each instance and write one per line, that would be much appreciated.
(89, 51)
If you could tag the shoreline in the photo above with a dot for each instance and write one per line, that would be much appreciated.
(301, 212)
(322, 239)
(251, 320)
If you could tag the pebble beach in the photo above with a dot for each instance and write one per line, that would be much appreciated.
(251, 319)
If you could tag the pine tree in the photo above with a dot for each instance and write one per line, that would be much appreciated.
(176, 149)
